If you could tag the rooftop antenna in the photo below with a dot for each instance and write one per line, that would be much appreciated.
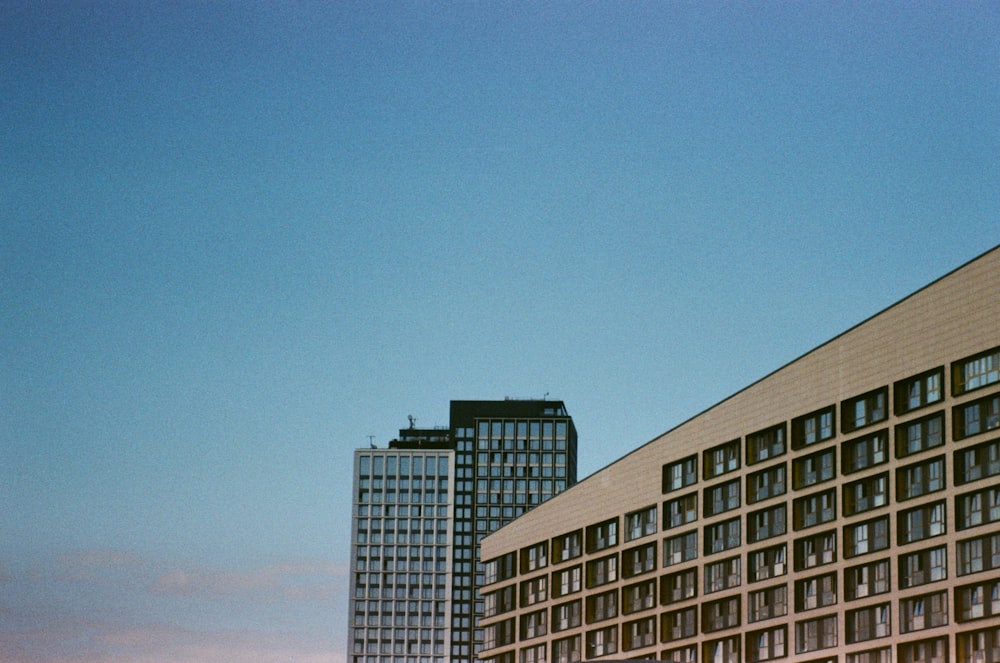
(546, 396)
(371, 441)
(413, 420)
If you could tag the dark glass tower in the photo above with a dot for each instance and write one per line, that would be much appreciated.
(510, 455)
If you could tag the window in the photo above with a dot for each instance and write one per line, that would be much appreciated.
(602, 571)
(640, 633)
(919, 523)
(767, 563)
(869, 536)
(814, 509)
(981, 646)
(920, 478)
(534, 591)
(919, 612)
(640, 523)
(868, 623)
(499, 569)
(767, 603)
(680, 474)
(769, 482)
(765, 444)
(499, 634)
(602, 642)
(723, 650)
(678, 586)
(919, 391)
(975, 372)
(813, 427)
(815, 592)
(814, 468)
(566, 650)
(602, 606)
(639, 560)
(977, 601)
(920, 435)
(864, 410)
(866, 494)
(722, 536)
(501, 601)
(978, 462)
(976, 417)
(766, 523)
(681, 548)
(687, 654)
(977, 508)
(815, 634)
(866, 580)
(602, 535)
(816, 550)
(679, 624)
(566, 546)
(722, 497)
(532, 654)
(566, 581)
(533, 625)
(877, 655)
(923, 566)
(933, 650)
(638, 597)
(721, 575)
(565, 616)
(864, 452)
(680, 511)
(980, 553)
(766, 644)
(721, 459)
(721, 614)
(535, 557)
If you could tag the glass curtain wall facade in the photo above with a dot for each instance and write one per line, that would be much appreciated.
(511, 455)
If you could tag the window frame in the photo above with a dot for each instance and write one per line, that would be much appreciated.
(712, 467)
(991, 369)
(903, 391)
(853, 505)
(803, 477)
(773, 557)
(807, 429)
(680, 474)
(987, 409)
(928, 513)
(876, 410)
(851, 461)
(760, 448)
(773, 485)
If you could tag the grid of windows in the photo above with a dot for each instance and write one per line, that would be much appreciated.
(401, 557)
(883, 506)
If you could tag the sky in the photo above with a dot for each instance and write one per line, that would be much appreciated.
(239, 238)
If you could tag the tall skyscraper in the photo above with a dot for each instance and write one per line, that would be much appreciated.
(511, 456)
(401, 553)
(421, 508)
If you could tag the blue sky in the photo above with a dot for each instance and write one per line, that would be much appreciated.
(239, 238)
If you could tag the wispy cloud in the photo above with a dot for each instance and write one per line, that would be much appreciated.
(90, 642)
(113, 606)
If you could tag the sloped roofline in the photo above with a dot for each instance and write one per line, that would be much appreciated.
(787, 364)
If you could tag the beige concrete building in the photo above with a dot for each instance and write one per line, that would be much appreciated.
(844, 509)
